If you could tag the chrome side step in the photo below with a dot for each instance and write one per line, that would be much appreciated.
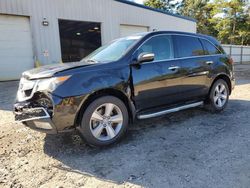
(145, 116)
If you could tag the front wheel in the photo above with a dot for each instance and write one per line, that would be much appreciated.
(104, 121)
(218, 96)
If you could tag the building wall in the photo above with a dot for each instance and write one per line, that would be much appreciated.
(109, 12)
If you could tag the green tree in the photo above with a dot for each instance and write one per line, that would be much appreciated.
(231, 20)
(227, 20)
(157, 4)
(196, 9)
(244, 31)
(165, 5)
(201, 11)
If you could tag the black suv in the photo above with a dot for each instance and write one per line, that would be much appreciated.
(137, 77)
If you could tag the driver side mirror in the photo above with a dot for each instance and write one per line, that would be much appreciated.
(145, 57)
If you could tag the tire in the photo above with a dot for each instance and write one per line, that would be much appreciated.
(104, 122)
(218, 96)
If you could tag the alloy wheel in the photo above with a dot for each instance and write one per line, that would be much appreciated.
(220, 95)
(106, 122)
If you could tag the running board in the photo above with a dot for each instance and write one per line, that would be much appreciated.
(146, 116)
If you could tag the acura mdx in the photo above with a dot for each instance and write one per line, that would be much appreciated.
(136, 77)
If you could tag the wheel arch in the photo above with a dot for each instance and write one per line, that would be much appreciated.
(225, 78)
(106, 92)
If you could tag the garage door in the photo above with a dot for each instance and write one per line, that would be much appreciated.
(16, 53)
(126, 30)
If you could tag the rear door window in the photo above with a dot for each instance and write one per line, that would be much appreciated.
(187, 46)
(210, 49)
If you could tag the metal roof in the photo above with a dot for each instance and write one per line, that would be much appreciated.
(156, 10)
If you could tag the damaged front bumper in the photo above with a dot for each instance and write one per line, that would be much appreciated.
(44, 111)
(48, 113)
(37, 118)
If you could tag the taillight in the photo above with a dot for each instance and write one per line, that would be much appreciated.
(231, 61)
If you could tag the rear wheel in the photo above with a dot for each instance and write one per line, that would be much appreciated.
(218, 97)
(104, 121)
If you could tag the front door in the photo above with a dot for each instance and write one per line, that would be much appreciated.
(156, 83)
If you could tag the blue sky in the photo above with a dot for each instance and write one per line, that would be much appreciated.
(138, 1)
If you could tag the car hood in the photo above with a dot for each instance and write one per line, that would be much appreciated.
(49, 70)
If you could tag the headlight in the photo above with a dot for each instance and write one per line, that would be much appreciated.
(27, 88)
(51, 84)
(26, 84)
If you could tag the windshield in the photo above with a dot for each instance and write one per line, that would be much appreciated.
(114, 50)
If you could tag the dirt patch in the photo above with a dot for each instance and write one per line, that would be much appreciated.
(193, 148)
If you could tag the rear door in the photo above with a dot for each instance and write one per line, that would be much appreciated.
(195, 66)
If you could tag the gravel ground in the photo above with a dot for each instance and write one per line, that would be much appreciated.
(192, 148)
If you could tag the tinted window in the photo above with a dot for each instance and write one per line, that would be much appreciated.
(188, 46)
(161, 46)
(210, 49)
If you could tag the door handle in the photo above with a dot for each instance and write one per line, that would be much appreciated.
(209, 62)
(173, 68)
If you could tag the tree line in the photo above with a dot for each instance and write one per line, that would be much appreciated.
(227, 20)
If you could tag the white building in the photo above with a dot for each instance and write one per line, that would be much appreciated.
(52, 31)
